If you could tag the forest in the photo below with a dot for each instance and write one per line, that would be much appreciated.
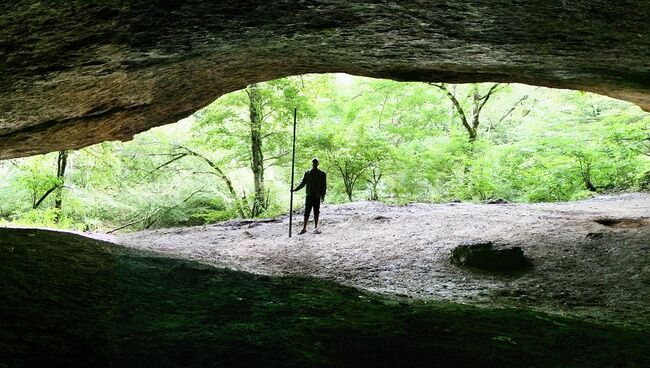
(378, 140)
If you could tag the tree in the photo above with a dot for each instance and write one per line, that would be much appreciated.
(57, 184)
(216, 169)
(61, 164)
(257, 156)
(478, 102)
(178, 152)
(352, 150)
(260, 116)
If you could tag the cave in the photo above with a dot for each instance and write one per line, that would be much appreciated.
(80, 72)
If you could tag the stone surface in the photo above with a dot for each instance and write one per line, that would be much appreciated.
(486, 257)
(77, 72)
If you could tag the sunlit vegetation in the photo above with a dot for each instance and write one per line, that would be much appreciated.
(377, 139)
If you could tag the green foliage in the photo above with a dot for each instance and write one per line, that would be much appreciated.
(34, 177)
(376, 139)
(224, 125)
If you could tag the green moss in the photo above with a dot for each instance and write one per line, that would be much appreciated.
(69, 301)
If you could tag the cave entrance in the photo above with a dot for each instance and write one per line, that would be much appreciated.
(485, 194)
(398, 142)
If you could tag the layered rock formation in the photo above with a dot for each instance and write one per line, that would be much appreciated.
(77, 72)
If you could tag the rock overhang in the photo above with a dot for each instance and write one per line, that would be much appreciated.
(76, 73)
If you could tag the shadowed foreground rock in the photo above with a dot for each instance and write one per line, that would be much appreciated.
(69, 301)
(79, 72)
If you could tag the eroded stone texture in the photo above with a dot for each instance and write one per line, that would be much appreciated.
(77, 72)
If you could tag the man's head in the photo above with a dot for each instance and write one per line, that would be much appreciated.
(314, 163)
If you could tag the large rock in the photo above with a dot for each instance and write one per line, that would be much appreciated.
(78, 72)
(487, 257)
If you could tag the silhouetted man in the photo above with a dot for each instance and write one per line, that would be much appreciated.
(316, 183)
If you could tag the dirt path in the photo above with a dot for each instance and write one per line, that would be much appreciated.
(591, 258)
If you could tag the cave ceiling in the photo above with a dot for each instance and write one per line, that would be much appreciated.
(75, 73)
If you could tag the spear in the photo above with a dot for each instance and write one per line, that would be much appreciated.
(293, 165)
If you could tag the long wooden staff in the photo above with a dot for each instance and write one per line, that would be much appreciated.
(293, 165)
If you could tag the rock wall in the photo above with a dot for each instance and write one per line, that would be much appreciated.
(78, 72)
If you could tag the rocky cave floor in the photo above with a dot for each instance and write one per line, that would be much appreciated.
(590, 258)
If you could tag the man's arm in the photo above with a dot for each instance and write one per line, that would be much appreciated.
(302, 183)
(322, 197)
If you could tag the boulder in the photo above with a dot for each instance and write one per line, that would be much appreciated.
(497, 201)
(486, 257)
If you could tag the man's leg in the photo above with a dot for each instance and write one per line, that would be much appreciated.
(308, 206)
(316, 213)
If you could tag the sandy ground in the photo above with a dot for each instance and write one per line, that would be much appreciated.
(591, 258)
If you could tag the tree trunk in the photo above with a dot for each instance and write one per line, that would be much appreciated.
(476, 113)
(347, 182)
(257, 161)
(457, 106)
(585, 171)
(62, 162)
(478, 102)
(348, 191)
(374, 183)
(589, 185)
